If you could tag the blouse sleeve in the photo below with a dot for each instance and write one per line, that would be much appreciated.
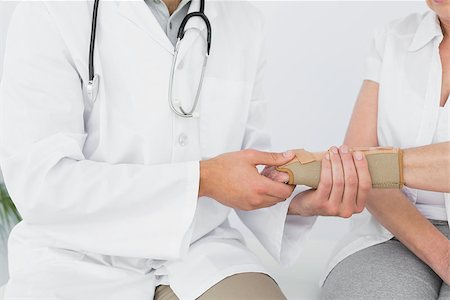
(374, 61)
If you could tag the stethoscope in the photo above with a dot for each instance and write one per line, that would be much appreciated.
(177, 108)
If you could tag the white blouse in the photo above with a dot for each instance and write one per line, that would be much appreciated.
(405, 61)
(432, 204)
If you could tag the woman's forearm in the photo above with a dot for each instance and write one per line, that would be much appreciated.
(428, 167)
(395, 212)
(391, 207)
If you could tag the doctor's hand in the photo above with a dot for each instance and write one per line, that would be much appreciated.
(344, 187)
(233, 179)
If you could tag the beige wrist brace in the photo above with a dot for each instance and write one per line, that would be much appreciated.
(385, 167)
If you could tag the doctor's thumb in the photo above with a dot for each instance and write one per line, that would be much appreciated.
(272, 158)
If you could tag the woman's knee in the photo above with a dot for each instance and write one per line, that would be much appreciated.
(384, 271)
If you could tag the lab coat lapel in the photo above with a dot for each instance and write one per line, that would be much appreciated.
(198, 24)
(138, 13)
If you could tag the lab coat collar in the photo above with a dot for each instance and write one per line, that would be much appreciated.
(138, 13)
(428, 29)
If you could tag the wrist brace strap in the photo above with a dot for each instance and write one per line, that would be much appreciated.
(385, 167)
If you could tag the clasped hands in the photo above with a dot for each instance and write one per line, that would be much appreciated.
(234, 180)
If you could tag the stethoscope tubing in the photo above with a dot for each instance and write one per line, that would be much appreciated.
(92, 42)
(176, 107)
(180, 110)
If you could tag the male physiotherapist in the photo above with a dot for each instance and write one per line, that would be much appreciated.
(121, 197)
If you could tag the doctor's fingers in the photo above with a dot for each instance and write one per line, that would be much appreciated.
(276, 189)
(268, 201)
(260, 198)
(349, 199)
(326, 181)
(337, 190)
(269, 158)
(364, 180)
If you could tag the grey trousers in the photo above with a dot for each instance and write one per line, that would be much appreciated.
(246, 286)
(386, 271)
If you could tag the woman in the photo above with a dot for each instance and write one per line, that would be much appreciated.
(401, 250)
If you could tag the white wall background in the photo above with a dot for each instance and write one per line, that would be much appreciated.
(316, 55)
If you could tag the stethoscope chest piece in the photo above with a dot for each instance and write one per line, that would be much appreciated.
(92, 88)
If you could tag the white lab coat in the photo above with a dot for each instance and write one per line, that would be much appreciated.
(108, 189)
(404, 60)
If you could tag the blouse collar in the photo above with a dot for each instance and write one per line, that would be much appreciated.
(428, 29)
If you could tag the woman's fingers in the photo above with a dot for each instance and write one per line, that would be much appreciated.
(364, 180)
(272, 173)
(267, 171)
(349, 199)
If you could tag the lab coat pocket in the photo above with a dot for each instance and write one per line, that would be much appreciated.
(223, 115)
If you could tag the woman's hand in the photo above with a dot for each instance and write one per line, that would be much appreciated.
(344, 186)
(447, 275)
(443, 266)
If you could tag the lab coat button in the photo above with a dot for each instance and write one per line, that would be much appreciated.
(180, 65)
(183, 140)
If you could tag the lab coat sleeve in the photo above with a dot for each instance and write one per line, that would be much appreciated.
(374, 60)
(281, 235)
(125, 210)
